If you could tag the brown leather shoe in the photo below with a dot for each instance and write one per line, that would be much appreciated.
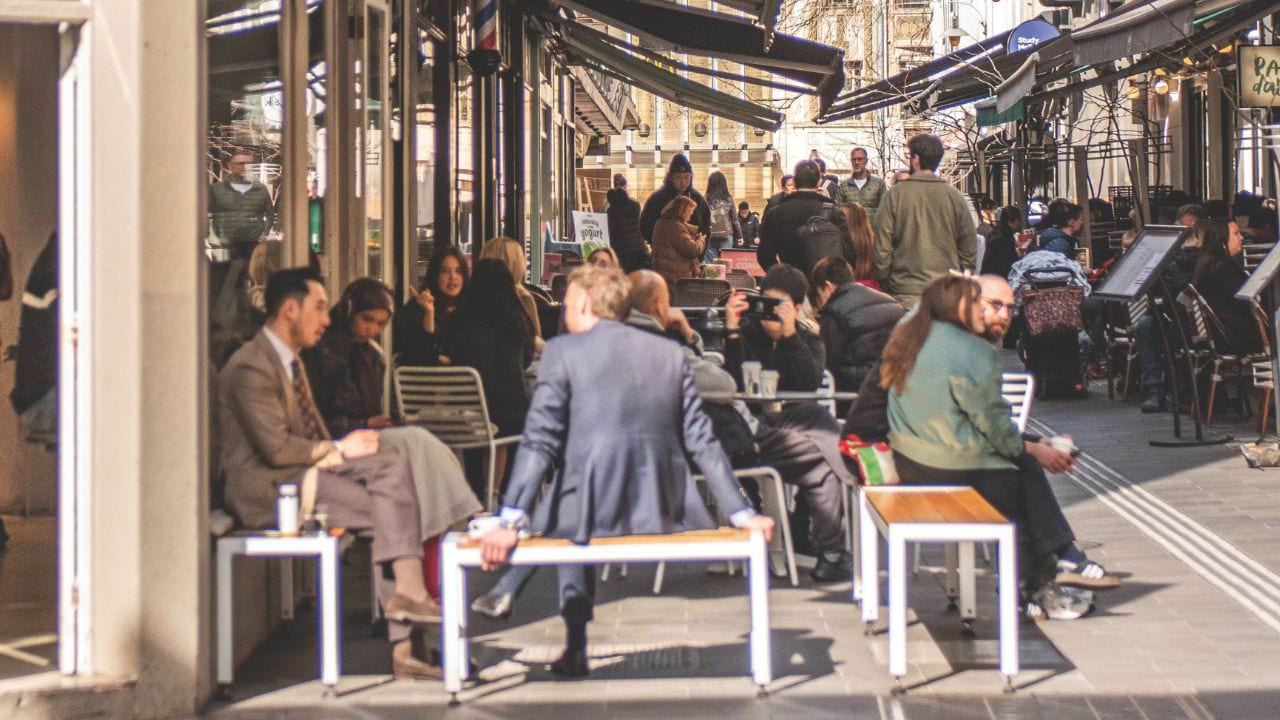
(402, 609)
(411, 668)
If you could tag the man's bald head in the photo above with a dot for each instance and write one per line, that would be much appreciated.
(649, 294)
(997, 306)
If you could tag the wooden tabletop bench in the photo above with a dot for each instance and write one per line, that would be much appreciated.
(917, 514)
(458, 552)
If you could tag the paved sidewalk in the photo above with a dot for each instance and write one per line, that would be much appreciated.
(1176, 641)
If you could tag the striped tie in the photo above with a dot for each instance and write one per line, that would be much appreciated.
(311, 423)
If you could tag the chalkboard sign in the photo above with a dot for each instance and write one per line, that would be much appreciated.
(1134, 272)
(1261, 278)
(1259, 76)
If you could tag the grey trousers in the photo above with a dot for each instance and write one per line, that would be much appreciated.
(376, 493)
(577, 584)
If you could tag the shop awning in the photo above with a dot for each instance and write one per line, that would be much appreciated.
(588, 50)
(1135, 27)
(764, 12)
(817, 68)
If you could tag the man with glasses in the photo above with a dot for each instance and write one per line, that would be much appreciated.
(861, 186)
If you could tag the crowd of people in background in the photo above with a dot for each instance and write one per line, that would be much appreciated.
(900, 289)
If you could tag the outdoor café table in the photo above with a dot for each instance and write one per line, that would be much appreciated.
(782, 397)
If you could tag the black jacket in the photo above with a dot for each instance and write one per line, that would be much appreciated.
(1001, 254)
(411, 343)
(624, 228)
(869, 416)
(659, 199)
(799, 359)
(1218, 282)
(346, 380)
(750, 228)
(500, 360)
(778, 240)
(37, 367)
(856, 323)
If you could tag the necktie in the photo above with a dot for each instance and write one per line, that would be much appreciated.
(311, 424)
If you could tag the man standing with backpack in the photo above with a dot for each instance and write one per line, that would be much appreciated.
(923, 227)
(805, 226)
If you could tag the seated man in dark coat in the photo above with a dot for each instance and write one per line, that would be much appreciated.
(619, 456)
(855, 321)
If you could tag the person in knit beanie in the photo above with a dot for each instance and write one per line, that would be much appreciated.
(679, 181)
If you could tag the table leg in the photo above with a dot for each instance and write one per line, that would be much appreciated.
(330, 658)
(225, 629)
(968, 596)
(897, 605)
(287, 602)
(449, 612)
(852, 515)
(953, 591)
(463, 660)
(870, 551)
(1008, 606)
(758, 586)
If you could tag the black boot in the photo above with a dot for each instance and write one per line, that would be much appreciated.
(833, 566)
(572, 663)
(1154, 402)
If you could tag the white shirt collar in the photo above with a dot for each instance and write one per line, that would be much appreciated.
(287, 355)
(861, 183)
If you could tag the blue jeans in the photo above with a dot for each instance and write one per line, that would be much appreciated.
(714, 246)
(1150, 352)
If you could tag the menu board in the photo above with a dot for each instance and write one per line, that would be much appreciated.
(1261, 278)
(1134, 272)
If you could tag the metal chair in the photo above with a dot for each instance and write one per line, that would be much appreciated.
(449, 401)
(1259, 366)
(699, 292)
(1205, 355)
(559, 284)
(1121, 337)
(741, 281)
(1253, 253)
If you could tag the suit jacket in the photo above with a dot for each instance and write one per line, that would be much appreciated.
(616, 413)
(264, 443)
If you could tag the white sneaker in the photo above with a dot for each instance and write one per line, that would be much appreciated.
(1057, 602)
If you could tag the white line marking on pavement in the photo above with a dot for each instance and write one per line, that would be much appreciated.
(1221, 563)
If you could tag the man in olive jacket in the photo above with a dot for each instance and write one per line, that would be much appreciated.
(861, 186)
(923, 227)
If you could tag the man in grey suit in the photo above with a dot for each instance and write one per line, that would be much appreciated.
(615, 412)
(273, 435)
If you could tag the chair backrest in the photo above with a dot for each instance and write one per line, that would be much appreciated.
(828, 387)
(699, 292)
(1254, 253)
(740, 281)
(448, 401)
(1018, 390)
(559, 284)
(1200, 314)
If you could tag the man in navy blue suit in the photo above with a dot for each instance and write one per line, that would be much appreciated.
(615, 412)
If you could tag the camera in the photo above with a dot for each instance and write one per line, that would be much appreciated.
(761, 307)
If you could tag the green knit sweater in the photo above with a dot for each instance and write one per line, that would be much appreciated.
(952, 415)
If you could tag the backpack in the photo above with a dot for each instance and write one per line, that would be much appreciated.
(721, 223)
(820, 237)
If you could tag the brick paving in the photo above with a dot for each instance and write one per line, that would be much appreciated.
(1168, 644)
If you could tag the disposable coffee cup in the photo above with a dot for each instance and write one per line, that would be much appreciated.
(751, 377)
(1062, 443)
(769, 383)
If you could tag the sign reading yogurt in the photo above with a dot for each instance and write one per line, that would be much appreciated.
(1259, 76)
(590, 228)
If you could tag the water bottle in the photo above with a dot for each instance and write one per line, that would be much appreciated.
(287, 510)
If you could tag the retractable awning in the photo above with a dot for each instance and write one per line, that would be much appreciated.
(764, 12)
(813, 67)
(587, 49)
(1133, 28)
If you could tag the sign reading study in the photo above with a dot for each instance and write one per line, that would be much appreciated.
(1259, 76)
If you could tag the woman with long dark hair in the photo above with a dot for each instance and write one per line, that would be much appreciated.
(949, 425)
(491, 332)
(419, 322)
(1218, 275)
(725, 230)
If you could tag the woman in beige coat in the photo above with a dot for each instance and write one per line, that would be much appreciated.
(677, 245)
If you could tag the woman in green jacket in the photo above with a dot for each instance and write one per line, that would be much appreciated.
(949, 425)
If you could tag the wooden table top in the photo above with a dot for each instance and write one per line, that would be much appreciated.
(903, 504)
(718, 535)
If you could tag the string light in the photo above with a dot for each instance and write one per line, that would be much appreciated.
(1161, 86)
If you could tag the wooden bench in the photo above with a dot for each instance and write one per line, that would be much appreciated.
(458, 552)
(916, 514)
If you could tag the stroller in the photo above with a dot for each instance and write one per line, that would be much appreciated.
(1050, 344)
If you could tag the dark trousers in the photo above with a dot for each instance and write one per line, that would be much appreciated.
(796, 457)
(1150, 352)
(577, 585)
(1022, 495)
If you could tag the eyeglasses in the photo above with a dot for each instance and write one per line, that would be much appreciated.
(997, 305)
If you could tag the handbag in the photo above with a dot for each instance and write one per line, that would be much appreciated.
(1053, 310)
(874, 460)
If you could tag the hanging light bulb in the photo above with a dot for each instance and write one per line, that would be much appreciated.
(1161, 86)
